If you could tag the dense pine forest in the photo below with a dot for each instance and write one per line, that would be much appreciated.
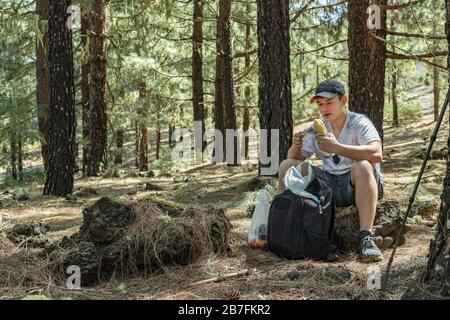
(135, 135)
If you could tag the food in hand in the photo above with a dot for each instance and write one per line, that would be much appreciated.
(319, 127)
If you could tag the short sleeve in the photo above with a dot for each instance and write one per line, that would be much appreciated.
(309, 147)
(366, 131)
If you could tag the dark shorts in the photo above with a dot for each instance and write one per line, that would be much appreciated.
(343, 190)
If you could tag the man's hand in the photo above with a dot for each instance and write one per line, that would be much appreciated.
(297, 141)
(328, 143)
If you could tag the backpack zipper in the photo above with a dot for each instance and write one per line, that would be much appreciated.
(319, 204)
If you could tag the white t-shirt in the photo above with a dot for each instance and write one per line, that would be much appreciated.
(358, 130)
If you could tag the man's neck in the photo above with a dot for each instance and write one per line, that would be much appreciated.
(338, 124)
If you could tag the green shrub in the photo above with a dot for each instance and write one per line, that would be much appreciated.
(407, 112)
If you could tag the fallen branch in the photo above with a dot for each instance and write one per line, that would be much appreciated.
(245, 272)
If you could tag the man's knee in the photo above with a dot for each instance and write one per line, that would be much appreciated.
(362, 168)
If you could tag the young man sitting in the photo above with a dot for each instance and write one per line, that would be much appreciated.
(354, 171)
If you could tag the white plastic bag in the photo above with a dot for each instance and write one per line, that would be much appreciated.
(257, 233)
(294, 181)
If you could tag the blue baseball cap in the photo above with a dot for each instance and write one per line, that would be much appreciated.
(328, 89)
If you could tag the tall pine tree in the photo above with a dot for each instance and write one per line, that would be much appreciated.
(61, 142)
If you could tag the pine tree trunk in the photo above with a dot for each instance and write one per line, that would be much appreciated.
(247, 90)
(119, 144)
(395, 121)
(171, 130)
(143, 148)
(42, 78)
(19, 158)
(367, 62)
(59, 178)
(228, 85)
(13, 141)
(246, 121)
(158, 142)
(97, 112)
(436, 89)
(438, 270)
(218, 86)
(435, 77)
(143, 144)
(197, 72)
(136, 144)
(275, 98)
(85, 89)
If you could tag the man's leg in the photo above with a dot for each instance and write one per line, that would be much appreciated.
(366, 196)
(366, 193)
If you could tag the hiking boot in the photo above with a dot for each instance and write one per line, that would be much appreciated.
(368, 250)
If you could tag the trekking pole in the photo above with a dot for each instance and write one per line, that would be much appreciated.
(419, 177)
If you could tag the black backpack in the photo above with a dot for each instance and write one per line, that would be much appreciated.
(300, 227)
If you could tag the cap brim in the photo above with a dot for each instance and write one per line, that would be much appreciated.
(327, 95)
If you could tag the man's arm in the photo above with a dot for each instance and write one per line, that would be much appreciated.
(294, 152)
(372, 152)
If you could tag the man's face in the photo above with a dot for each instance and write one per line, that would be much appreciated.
(331, 109)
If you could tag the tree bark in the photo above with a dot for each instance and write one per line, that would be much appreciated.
(171, 130)
(136, 144)
(158, 142)
(42, 78)
(143, 142)
(85, 88)
(436, 93)
(275, 98)
(119, 144)
(247, 90)
(59, 177)
(218, 86)
(438, 269)
(97, 97)
(395, 122)
(367, 62)
(19, 157)
(435, 78)
(158, 130)
(197, 72)
(13, 145)
(228, 85)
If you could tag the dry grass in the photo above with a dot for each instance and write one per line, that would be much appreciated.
(180, 238)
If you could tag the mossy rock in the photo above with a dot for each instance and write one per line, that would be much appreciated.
(165, 205)
(152, 187)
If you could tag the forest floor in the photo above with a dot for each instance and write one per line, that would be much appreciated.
(274, 278)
